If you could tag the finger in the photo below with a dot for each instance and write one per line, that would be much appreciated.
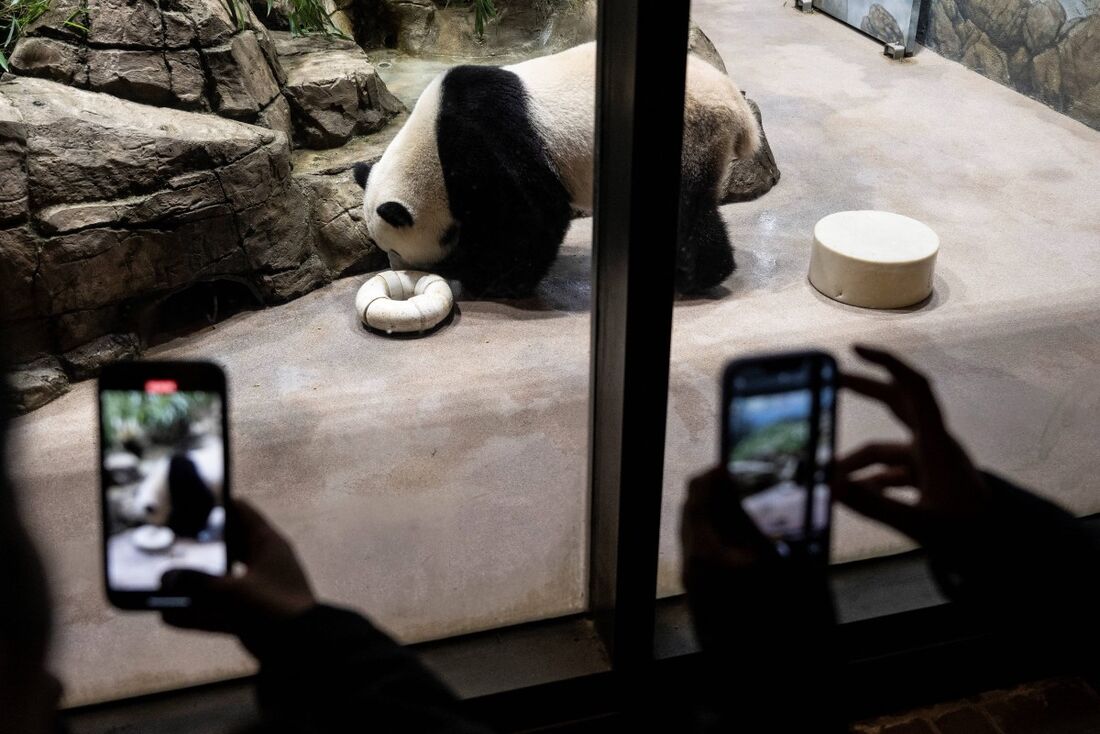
(890, 394)
(883, 479)
(884, 392)
(879, 452)
(901, 371)
(714, 522)
(914, 396)
(209, 599)
(698, 506)
(252, 530)
(186, 582)
(207, 620)
(909, 396)
(866, 497)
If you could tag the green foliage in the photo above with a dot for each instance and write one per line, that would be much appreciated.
(484, 10)
(162, 419)
(307, 16)
(16, 15)
(304, 16)
(787, 438)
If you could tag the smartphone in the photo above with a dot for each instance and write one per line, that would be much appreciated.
(778, 439)
(164, 477)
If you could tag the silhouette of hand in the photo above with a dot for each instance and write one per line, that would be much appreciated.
(715, 533)
(274, 586)
(951, 490)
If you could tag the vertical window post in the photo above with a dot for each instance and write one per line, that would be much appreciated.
(640, 77)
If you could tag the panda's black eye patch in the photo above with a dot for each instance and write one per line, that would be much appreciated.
(395, 214)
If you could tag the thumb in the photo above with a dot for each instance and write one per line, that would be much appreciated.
(210, 598)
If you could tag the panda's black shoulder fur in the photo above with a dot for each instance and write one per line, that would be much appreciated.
(510, 204)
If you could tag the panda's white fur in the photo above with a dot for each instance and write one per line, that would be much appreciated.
(409, 173)
(559, 99)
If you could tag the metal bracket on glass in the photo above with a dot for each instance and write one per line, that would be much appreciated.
(895, 51)
(806, 6)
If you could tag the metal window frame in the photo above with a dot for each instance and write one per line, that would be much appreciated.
(640, 82)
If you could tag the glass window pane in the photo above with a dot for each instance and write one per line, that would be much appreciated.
(436, 483)
(1009, 334)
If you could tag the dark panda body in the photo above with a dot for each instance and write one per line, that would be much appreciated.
(481, 183)
(503, 188)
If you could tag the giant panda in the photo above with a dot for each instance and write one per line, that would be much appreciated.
(481, 182)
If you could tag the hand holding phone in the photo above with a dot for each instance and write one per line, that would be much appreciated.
(272, 588)
(164, 471)
(952, 492)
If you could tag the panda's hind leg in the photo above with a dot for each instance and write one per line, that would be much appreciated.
(704, 256)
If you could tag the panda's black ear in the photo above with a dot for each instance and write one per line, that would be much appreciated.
(361, 171)
(395, 214)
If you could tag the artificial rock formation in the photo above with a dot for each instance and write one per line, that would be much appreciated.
(132, 203)
(333, 90)
(437, 27)
(1034, 46)
(203, 55)
(751, 178)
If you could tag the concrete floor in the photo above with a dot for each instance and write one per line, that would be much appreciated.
(439, 483)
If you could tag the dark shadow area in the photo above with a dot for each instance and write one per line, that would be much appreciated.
(197, 306)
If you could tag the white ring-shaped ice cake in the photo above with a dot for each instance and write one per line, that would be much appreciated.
(403, 301)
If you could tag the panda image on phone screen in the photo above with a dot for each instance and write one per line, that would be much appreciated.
(164, 476)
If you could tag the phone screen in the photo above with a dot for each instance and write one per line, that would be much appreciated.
(780, 420)
(163, 453)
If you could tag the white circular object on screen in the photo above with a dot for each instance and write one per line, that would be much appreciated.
(154, 538)
(873, 259)
(404, 301)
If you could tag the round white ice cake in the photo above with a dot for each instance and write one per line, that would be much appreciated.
(873, 259)
(404, 301)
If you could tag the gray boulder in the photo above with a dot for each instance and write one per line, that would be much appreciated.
(980, 53)
(333, 91)
(1079, 50)
(36, 383)
(341, 240)
(86, 360)
(751, 178)
(13, 157)
(881, 24)
(700, 45)
(244, 83)
(1042, 24)
(1046, 73)
(133, 204)
(1001, 20)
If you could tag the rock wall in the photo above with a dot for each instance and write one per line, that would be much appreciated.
(444, 28)
(146, 153)
(202, 55)
(206, 56)
(114, 206)
(1046, 49)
